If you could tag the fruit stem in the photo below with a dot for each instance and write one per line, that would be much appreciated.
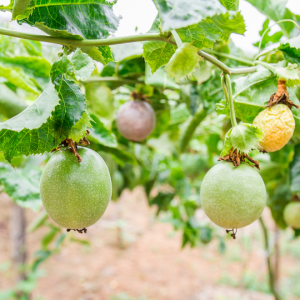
(270, 270)
(226, 84)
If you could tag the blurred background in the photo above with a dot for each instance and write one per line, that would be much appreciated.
(154, 242)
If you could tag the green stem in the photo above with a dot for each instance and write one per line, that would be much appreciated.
(233, 57)
(84, 43)
(270, 271)
(264, 53)
(266, 65)
(121, 40)
(177, 38)
(112, 79)
(187, 134)
(223, 67)
(281, 21)
(226, 84)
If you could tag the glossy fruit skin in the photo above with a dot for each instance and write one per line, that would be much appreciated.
(233, 197)
(75, 195)
(136, 120)
(278, 124)
(291, 214)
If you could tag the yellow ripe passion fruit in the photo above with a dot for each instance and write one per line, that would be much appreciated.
(278, 124)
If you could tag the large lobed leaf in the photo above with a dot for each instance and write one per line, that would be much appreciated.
(276, 10)
(176, 14)
(78, 19)
(42, 125)
(212, 29)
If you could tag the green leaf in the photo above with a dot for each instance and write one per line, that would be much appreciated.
(42, 125)
(49, 237)
(20, 7)
(291, 74)
(10, 103)
(101, 134)
(243, 137)
(78, 131)
(33, 48)
(212, 29)
(162, 200)
(19, 78)
(38, 221)
(275, 10)
(83, 65)
(268, 39)
(160, 78)
(35, 65)
(22, 185)
(100, 101)
(78, 19)
(176, 14)
(244, 82)
(291, 50)
(231, 4)
(156, 53)
(295, 170)
(183, 61)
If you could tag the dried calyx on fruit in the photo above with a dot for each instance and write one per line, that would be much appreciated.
(276, 121)
(73, 146)
(136, 118)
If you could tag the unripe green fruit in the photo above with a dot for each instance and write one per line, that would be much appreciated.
(233, 197)
(75, 195)
(291, 214)
(136, 120)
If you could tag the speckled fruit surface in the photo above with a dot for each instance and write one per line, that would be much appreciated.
(233, 197)
(136, 120)
(291, 214)
(75, 195)
(278, 124)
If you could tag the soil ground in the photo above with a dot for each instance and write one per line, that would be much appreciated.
(132, 256)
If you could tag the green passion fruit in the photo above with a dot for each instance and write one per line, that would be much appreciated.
(233, 197)
(291, 214)
(75, 195)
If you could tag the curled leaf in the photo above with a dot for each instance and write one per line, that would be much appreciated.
(244, 137)
(183, 61)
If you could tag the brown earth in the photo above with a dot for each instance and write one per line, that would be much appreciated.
(143, 259)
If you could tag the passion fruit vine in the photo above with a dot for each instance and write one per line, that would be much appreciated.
(75, 195)
(136, 119)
